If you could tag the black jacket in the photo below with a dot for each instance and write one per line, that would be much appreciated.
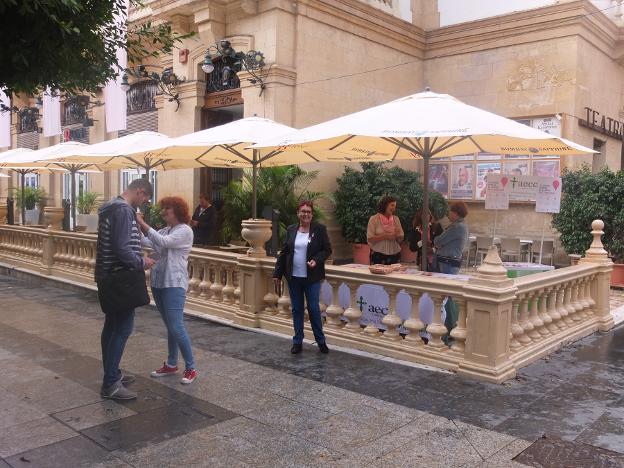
(319, 250)
(204, 232)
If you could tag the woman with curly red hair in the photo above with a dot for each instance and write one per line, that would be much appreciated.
(172, 246)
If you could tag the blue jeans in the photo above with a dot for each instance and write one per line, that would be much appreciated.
(170, 304)
(298, 287)
(117, 329)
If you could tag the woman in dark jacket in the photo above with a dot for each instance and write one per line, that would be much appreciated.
(302, 262)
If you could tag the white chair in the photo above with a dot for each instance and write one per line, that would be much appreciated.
(511, 248)
(547, 251)
(483, 245)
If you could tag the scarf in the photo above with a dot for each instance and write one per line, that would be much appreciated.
(387, 223)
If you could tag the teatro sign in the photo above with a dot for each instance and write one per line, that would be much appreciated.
(603, 124)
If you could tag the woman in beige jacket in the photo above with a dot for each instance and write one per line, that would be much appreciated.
(384, 233)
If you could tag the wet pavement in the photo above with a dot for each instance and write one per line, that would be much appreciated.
(255, 404)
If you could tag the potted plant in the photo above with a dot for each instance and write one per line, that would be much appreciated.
(34, 200)
(86, 203)
(588, 196)
(358, 193)
(281, 188)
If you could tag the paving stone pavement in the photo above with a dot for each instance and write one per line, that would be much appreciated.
(255, 404)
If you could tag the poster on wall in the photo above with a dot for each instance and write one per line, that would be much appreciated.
(461, 185)
(497, 194)
(439, 178)
(548, 199)
(483, 169)
(516, 168)
(546, 168)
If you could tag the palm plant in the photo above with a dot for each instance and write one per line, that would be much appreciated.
(86, 202)
(281, 188)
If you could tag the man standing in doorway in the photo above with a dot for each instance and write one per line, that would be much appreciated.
(118, 251)
(204, 222)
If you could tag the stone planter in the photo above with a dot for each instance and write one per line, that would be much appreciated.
(361, 253)
(33, 216)
(406, 254)
(257, 232)
(53, 217)
(617, 275)
(90, 222)
(4, 209)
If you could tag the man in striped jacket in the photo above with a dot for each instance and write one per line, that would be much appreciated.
(119, 248)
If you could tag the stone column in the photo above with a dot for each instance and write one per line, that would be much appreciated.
(489, 296)
(253, 287)
(597, 255)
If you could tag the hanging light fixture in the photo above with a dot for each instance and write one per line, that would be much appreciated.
(234, 62)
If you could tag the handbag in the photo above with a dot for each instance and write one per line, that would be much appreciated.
(123, 291)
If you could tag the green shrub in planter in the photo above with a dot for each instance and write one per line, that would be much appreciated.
(358, 194)
(155, 218)
(281, 188)
(34, 197)
(86, 202)
(587, 197)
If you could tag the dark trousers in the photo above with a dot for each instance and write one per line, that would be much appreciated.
(452, 310)
(298, 288)
(117, 329)
(377, 258)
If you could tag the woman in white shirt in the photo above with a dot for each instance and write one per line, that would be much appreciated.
(172, 246)
(302, 262)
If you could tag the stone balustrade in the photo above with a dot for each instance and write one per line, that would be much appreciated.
(503, 323)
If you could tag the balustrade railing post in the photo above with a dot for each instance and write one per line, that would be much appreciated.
(413, 323)
(489, 296)
(253, 288)
(47, 258)
(392, 321)
(334, 311)
(597, 256)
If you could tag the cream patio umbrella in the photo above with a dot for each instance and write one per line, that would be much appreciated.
(423, 125)
(229, 146)
(48, 159)
(111, 154)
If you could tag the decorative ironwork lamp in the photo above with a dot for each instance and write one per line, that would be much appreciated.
(231, 63)
(167, 81)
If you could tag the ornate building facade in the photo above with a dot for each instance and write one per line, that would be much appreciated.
(557, 67)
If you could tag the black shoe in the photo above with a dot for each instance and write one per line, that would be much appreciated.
(323, 348)
(296, 349)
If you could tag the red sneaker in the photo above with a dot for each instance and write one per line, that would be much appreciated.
(164, 371)
(189, 376)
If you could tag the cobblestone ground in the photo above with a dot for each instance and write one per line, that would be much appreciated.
(255, 404)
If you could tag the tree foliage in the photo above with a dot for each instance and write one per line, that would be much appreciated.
(587, 197)
(281, 188)
(71, 45)
(359, 192)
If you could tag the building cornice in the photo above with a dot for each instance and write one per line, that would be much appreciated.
(576, 18)
(368, 22)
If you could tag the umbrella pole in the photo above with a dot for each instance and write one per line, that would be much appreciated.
(73, 198)
(146, 207)
(425, 209)
(254, 177)
(23, 177)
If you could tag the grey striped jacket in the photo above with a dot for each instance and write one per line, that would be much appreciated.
(119, 239)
